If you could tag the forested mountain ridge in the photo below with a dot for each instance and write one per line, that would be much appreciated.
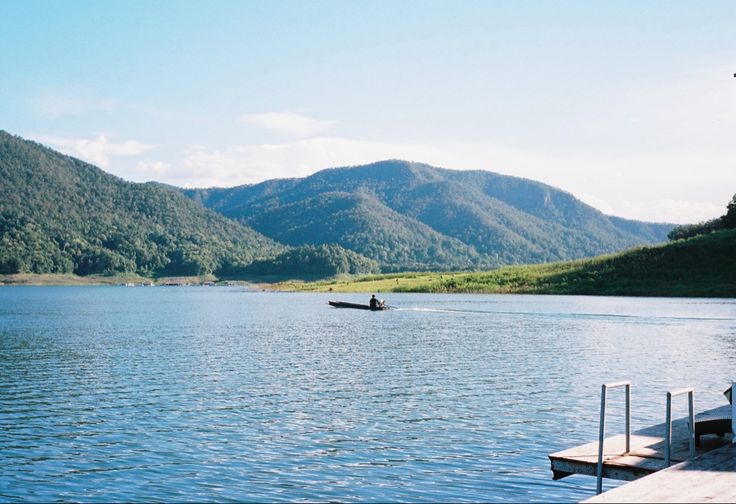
(474, 219)
(61, 215)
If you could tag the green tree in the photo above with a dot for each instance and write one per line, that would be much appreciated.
(729, 219)
(726, 221)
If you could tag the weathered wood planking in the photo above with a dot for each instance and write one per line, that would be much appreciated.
(710, 477)
(646, 455)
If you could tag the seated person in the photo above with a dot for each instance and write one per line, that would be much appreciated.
(374, 303)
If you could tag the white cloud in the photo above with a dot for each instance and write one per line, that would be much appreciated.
(289, 123)
(155, 170)
(678, 211)
(98, 150)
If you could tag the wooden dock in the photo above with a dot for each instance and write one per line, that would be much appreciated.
(710, 477)
(645, 457)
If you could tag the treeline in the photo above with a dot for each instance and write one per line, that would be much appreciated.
(727, 221)
(311, 262)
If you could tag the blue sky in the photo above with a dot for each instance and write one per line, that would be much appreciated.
(628, 105)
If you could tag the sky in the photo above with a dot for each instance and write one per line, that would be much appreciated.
(628, 105)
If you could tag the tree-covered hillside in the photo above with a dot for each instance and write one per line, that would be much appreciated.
(414, 216)
(61, 215)
(399, 243)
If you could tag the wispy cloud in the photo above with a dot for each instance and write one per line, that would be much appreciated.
(670, 210)
(289, 123)
(53, 104)
(98, 150)
(254, 163)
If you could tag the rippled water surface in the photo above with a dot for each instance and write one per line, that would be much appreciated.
(201, 394)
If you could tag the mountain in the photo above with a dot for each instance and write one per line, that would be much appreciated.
(412, 216)
(60, 215)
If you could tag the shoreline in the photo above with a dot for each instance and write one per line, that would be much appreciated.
(510, 280)
(50, 280)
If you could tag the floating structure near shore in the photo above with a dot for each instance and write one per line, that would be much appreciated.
(692, 459)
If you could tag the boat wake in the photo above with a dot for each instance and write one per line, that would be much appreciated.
(612, 316)
(442, 310)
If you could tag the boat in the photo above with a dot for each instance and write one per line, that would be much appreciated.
(343, 304)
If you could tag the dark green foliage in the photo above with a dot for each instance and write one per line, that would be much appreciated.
(309, 262)
(61, 215)
(411, 216)
(727, 221)
(361, 223)
(689, 230)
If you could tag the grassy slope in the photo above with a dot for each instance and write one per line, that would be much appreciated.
(703, 266)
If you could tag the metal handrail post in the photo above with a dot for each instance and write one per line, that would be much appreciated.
(628, 418)
(601, 435)
(691, 422)
(733, 413)
(602, 427)
(668, 423)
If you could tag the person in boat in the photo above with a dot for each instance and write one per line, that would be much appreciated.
(374, 303)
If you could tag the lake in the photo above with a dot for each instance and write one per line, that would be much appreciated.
(215, 393)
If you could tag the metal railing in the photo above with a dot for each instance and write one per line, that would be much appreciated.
(602, 428)
(668, 423)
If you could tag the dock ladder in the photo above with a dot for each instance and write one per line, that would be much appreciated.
(602, 427)
(668, 423)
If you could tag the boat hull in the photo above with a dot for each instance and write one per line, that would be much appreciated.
(343, 304)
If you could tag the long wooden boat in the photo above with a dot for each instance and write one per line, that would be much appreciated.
(343, 304)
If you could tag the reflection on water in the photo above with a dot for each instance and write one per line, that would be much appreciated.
(220, 394)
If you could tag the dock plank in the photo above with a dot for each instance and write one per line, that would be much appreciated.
(710, 477)
(645, 457)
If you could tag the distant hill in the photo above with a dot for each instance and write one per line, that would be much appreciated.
(412, 216)
(61, 215)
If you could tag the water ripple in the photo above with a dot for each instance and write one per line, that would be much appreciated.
(111, 394)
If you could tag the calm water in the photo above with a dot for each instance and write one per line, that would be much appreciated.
(201, 394)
